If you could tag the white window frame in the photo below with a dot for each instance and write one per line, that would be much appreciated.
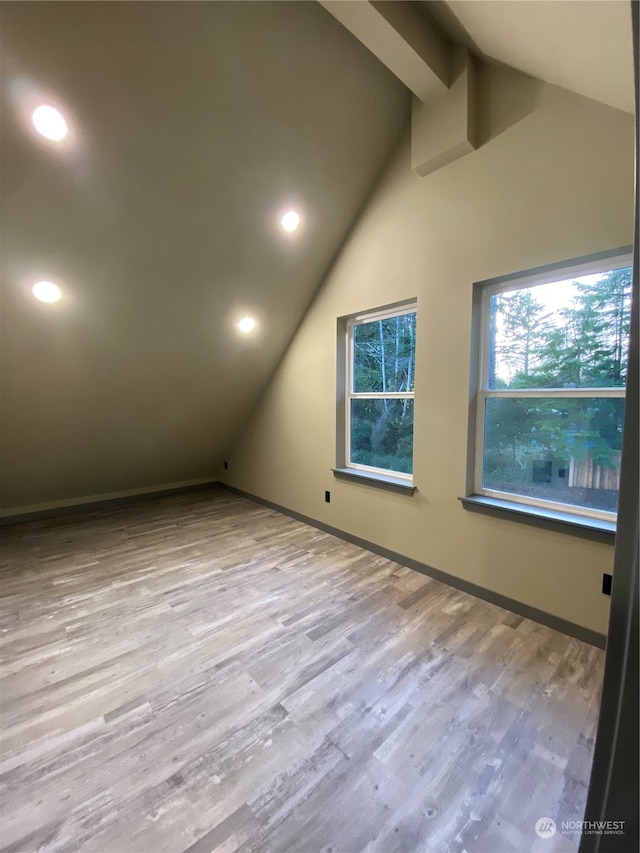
(484, 393)
(352, 322)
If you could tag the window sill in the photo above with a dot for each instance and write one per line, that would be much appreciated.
(562, 522)
(381, 481)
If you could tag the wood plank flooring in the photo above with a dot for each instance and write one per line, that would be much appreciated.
(201, 673)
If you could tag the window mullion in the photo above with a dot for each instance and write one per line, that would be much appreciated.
(382, 395)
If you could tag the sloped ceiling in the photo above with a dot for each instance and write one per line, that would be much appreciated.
(194, 126)
(582, 45)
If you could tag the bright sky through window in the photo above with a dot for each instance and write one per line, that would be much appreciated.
(553, 298)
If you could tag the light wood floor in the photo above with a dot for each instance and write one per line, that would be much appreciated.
(200, 673)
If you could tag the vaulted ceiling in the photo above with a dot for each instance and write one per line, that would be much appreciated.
(192, 128)
(582, 45)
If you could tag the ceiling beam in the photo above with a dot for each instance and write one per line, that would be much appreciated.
(403, 37)
(445, 128)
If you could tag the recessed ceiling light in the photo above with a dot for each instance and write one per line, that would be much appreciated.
(290, 220)
(46, 291)
(49, 122)
(247, 324)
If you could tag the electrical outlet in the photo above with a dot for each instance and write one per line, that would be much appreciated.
(327, 497)
(606, 584)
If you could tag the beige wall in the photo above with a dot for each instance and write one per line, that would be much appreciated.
(553, 186)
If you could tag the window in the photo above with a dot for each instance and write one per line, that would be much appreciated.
(379, 392)
(551, 387)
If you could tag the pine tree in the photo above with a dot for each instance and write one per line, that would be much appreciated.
(589, 347)
(520, 326)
